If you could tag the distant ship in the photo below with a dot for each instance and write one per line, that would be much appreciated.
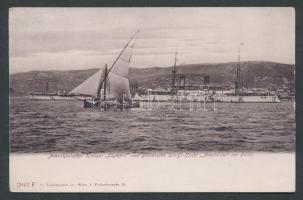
(202, 93)
(249, 97)
(46, 95)
(242, 95)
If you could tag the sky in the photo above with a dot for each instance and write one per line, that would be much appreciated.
(83, 38)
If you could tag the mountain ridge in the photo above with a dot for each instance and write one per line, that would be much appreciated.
(264, 74)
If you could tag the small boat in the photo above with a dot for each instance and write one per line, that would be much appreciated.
(46, 95)
(109, 87)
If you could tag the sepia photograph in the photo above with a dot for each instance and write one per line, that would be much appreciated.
(152, 99)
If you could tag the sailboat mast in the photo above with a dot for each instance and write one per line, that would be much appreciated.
(100, 84)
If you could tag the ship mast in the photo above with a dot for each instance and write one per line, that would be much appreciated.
(46, 89)
(174, 75)
(238, 73)
(104, 90)
(47, 85)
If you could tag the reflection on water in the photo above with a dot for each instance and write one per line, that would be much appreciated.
(41, 126)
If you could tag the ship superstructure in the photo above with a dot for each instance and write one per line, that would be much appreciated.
(208, 92)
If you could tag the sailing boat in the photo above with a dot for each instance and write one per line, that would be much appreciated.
(109, 87)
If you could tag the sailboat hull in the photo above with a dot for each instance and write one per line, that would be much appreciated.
(87, 104)
(110, 105)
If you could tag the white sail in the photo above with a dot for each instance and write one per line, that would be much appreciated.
(118, 75)
(118, 86)
(117, 79)
(89, 86)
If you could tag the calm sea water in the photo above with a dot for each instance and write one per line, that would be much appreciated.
(44, 126)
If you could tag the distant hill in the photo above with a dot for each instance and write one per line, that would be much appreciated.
(254, 74)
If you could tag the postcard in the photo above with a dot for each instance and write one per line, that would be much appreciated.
(152, 99)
